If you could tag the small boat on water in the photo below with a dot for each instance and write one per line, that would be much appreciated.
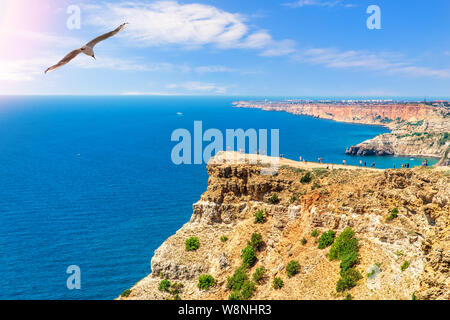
(179, 113)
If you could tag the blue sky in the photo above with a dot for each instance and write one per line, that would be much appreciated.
(251, 48)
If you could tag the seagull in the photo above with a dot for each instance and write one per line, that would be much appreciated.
(87, 49)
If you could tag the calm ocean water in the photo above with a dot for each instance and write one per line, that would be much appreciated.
(88, 181)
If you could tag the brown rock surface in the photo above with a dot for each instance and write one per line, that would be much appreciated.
(334, 199)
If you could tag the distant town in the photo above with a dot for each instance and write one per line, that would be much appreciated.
(347, 102)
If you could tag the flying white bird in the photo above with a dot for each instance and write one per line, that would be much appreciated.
(87, 49)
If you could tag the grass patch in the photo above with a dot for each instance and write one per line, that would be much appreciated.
(315, 233)
(224, 238)
(304, 241)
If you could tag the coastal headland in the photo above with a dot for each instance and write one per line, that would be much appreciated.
(308, 232)
(417, 129)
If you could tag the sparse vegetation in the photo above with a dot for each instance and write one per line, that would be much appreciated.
(205, 281)
(348, 297)
(304, 241)
(236, 281)
(345, 248)
(192, 244)
(393, 215)
(248, 289)
(326, 239)
(164, 285)
(126, 293)
(235, 295)
(248, 256)
(256, 241)
(260, 217)
(292, 268)
(315, 233)
(223, 238)
(413, 297)
(307, 178)
(259, 275)
(278, 283)
(404, 265)
(320, 172)
(274, 199)
(348, 280)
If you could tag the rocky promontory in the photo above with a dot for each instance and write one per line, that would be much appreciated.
(259, 236)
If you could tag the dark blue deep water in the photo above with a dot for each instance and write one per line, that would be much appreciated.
(89, 181)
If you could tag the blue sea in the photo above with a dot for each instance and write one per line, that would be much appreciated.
(89, 181)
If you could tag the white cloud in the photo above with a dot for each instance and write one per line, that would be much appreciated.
(199, 87)
(163, 23)
(362, 60)
(303, 3)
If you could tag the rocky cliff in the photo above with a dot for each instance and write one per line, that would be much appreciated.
(417, 129)
(401, 219)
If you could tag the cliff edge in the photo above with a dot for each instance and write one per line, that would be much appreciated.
(400, 218)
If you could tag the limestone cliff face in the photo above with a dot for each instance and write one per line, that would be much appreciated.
(334, 199)
(417, 129)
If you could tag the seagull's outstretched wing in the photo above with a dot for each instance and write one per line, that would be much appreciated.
(106, 36)
(65, 60)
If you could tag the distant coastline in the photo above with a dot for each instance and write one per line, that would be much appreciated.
(417, 129)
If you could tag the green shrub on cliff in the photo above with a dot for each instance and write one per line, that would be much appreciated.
(315, 233)
(126, 293)
(236, 281)
(205, 281)
(248, 289)
(326, 239)
(348, 280)
(256, 241)
(292, 268)
(248, 256)
(164, 285)
(259, 275)
(393, 215)
(274, 199)
(307, 178)
(235, 295)
(345, 248)
(192, 244)
(404, 265)
(259, 217)
(277, 283)
(223, 238)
